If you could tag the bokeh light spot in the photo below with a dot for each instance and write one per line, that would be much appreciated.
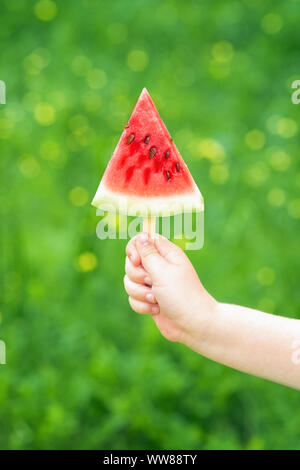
(137, 60)
(287, 127)
(87, 261)
(294, 208)
(78, 196)
(36, 61)
(257, 174)
(271, 23)
(211, 149)
(45, 10)
(50, 150)
(222, 51)
(255, 139)
(219, 71)
(96, 78)
(29, 166)
(266, 276)
(276, 197)
(44, 114)
(81, 65)
(279, 160)
(219, 174)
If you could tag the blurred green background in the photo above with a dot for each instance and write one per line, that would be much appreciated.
(83, 370)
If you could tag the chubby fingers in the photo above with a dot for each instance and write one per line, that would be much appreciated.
(143, 307)
(139, 291)
(132, 252)
(137, 273)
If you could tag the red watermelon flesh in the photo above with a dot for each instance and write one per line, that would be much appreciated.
(146, 173)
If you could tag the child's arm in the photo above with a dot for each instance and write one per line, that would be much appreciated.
(160, 280)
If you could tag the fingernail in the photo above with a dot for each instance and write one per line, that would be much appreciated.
(150, 298)
(148, 281)
(155, 309)
(144, 238)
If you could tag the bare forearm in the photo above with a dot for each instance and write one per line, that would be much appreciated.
(251, 341)
(161, 280)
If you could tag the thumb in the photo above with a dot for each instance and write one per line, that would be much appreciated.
(153, 262)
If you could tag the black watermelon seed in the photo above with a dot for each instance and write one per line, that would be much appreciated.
(152, 152)
(177, 166)
(167, 154)
(146, 139)
(130, 139)
(168, 175)
(127, 125)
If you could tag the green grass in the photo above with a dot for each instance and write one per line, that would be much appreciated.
(84, 371)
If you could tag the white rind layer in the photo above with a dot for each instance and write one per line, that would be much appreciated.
(111, 201)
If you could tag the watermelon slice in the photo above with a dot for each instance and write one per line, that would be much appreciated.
(146, 175)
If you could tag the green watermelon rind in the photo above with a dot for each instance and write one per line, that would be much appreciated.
(109, 201)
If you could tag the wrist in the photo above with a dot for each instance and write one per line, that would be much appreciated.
(201, 328)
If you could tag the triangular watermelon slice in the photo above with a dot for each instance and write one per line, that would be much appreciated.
(146, 175)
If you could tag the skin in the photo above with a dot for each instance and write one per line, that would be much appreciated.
(161, 281)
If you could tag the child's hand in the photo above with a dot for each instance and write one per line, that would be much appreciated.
(161, 280)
